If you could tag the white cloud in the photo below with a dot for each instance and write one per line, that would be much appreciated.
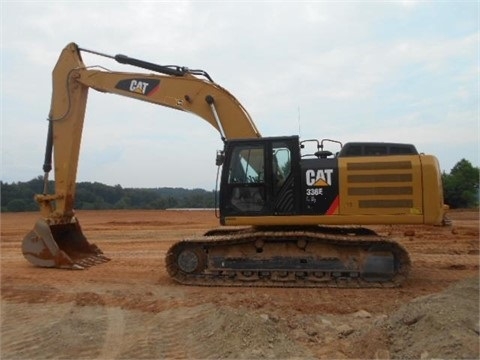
(350, 71)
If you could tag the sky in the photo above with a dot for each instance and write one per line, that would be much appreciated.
(393, 71)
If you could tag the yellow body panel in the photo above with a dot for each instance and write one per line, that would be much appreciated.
(434, 208)
(387, 185)
(398, 189)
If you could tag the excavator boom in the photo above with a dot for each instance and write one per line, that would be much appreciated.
(57, 239)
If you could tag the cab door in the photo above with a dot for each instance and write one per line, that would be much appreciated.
(258, 177)
(284, 164)
(244, 188)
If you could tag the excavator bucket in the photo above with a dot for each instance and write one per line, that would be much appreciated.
(60, 246)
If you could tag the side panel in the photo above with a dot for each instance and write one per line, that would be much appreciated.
(382, 185)
(320, 186)
(434, 208)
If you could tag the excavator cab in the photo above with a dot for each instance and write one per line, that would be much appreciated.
(259, 177)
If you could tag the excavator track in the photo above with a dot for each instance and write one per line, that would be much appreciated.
(289, 257)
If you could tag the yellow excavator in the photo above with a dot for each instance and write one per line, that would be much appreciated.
(294, 211)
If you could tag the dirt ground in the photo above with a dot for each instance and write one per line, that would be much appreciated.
(128, 308)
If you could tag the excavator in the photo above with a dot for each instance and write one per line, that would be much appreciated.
(293, 213)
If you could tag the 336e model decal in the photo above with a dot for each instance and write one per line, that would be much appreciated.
(320, 184)
(318, 179)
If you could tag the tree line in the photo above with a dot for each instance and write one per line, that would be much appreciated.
(460, 188)
(19, 196)
(461, 185)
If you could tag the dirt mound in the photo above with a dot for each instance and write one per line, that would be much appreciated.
(438, 326)
(444, 325)
(98, 332)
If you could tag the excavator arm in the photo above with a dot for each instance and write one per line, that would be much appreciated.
(57, 239)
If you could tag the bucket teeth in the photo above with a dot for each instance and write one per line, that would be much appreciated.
(91, 261)
(61, 246)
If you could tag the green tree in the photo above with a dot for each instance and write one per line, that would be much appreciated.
(158, 203)
(123, 203)
(461, 186)
(16, 205)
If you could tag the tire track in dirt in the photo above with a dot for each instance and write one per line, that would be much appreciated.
(165, 334)
(114, 334)
(178, 333)
(69, 330)
(99, 332)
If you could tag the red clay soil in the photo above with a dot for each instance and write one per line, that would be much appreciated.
(130, 308)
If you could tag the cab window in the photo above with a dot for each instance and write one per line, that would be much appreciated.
(247, 166)
(281, 164)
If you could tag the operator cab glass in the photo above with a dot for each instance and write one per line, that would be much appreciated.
(246, 178)
(257, 176)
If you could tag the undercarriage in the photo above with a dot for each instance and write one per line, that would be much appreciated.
(289, 257)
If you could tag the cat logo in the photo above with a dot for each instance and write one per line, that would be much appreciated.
(139, 86)
(319, 177)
